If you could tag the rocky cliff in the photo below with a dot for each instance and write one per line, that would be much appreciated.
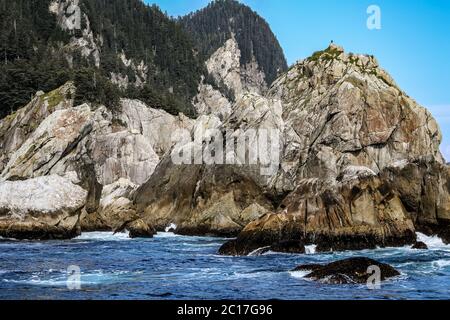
(349, 161)
(359, 165)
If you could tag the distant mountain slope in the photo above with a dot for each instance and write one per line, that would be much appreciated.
(215, 24)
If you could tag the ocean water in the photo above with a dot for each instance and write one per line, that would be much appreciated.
(177, 267)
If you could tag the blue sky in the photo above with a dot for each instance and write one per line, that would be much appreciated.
(413, 44)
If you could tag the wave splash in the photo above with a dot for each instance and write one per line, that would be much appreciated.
(433, 242)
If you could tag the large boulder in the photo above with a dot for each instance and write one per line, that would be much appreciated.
(41, 208)
(419, 245)
(348, 271)
(139, 229)
(115, 208)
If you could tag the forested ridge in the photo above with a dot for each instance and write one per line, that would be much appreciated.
(32, 47)
(213, 25)
(34, 51)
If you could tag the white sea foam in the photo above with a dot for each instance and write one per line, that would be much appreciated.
(172, 226)
(432, 242)
(104, 236)
(299, 274)
(166, 235)
(258, 251)
(93, 278)
(8, 239)
(440, 264)
(311, 249)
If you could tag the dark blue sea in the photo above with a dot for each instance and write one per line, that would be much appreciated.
(176, 267)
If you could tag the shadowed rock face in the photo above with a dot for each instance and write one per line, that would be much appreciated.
(200, 200)
(423, 186)
(348, 271)
(365, 212)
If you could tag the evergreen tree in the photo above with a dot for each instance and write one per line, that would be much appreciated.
(212, 26)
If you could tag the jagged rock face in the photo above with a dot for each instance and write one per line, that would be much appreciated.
(115, 209)
(423, 186)
(358, 163)
(253, 78)
(342, 110)
(55, 138)
(200, 200)
(123, 155)
(211, 101)
(157, 126)
(49, 136)
(344, 129)
(16, 128)
(87, 44)
(362, 210)
(40, 208)
(133, 142)
(92, 148)
(217, 199)
(225, 67)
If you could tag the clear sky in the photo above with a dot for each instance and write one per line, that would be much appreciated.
(413, 44)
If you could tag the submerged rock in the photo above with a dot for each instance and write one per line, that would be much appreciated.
(419, 245)
(140, 229)
(348, 271)
(41, 208)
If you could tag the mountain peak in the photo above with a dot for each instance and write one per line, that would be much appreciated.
(335, 63)
(221, 20)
